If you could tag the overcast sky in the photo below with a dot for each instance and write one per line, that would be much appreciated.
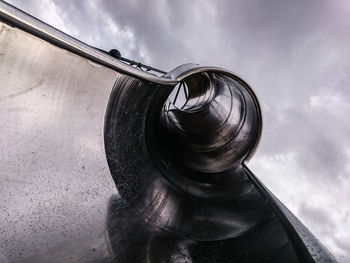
(294, 53)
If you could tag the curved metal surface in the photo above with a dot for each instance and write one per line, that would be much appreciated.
(54, 180)
(218, 127)
(100, 166)
(157, 220)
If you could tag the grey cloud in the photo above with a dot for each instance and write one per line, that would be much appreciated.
(318, 148)
(154, 24)
(325, 225)
(318, 217)
(345, 246)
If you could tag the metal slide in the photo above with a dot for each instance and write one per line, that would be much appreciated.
(103, 162)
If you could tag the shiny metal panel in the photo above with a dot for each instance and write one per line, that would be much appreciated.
(162, 215)
(54, 178)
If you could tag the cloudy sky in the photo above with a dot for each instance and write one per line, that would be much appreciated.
(294, 53)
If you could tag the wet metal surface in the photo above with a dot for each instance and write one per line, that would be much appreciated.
(159, 220)
(55, 181)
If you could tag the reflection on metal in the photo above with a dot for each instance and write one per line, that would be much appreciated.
(104, 163)
(116, 54)
(178, 98)
(141, 66)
